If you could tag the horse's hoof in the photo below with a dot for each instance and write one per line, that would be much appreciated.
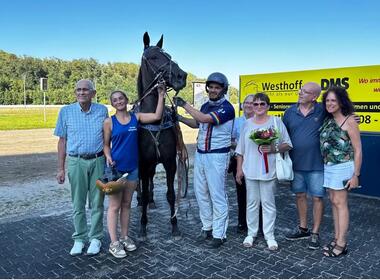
(176, 234)
(177, 237)
(142, 233)
(152, 205)
(142, 236)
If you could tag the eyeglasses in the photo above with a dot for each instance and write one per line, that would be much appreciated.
(303, 91)
(82, 89)
(248, 103)
(261, 104)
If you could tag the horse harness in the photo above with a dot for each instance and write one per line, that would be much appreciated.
(166, 122)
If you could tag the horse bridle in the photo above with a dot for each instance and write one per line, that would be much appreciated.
(158, 74)
(157, 70)
(158, 78)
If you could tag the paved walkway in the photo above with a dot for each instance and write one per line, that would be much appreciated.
(37, 247)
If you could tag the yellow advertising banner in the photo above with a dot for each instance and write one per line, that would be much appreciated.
(362, 84)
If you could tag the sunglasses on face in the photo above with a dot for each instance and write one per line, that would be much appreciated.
(261, 104)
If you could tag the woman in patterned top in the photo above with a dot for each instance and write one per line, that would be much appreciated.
(342, 154)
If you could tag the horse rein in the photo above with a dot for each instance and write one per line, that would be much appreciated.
(159, 74)
(158, 69)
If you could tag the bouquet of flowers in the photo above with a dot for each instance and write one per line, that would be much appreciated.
(112, 181)
(264, 137)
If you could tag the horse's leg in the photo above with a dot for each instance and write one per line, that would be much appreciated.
(138, 189)
(144, 200)
(152, 204)
(170, 168)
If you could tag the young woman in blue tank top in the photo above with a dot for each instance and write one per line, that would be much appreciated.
(120, 149)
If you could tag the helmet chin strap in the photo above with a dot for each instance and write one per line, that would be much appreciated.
(220, 95)
(215, 99)
(218, 101)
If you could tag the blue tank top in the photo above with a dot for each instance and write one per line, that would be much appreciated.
(124, 149)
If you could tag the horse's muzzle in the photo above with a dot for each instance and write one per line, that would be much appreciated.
(179, 82)
(178, 79)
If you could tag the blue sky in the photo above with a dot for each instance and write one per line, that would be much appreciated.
(233, 37)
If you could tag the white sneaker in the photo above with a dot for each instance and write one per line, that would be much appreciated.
(272, 244)
(77, 248)
(248, 241)
(128, 244)
(117, 250)
(94, 247)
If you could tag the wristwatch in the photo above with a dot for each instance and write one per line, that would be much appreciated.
(276, 149)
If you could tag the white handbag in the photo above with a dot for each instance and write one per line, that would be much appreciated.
(284, 165)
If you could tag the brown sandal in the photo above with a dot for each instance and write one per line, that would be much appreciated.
(341, 251)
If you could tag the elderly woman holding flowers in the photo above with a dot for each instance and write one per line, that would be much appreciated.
(261, 137)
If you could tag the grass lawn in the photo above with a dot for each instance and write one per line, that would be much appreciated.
(27, 118)
(17, 118)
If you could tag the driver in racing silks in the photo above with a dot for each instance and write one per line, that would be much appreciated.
(215, 122)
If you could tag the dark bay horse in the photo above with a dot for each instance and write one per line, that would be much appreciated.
(157, 141)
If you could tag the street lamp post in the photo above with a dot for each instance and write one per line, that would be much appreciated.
(44, 87)
(24, 76)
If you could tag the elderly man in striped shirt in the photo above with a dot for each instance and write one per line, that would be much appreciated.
(80, 131)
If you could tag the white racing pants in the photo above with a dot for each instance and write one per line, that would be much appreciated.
(210, 172)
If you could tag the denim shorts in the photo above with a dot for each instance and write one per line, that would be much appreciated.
(310, 182)
(335, 174)
(133, 175)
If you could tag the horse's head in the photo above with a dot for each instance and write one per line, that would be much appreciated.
(156, 65)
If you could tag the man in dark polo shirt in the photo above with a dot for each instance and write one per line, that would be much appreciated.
(303, 121)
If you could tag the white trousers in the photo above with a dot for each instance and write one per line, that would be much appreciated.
(261, 191)
(210, 171)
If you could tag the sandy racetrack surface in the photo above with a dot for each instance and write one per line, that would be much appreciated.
(28, 164)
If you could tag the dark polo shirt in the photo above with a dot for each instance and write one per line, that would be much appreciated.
(304, 134)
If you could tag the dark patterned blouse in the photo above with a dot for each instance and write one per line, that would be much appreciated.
(335, 143)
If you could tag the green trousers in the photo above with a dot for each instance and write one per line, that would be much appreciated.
(82, 176)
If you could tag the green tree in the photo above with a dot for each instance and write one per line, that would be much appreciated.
(62, 76)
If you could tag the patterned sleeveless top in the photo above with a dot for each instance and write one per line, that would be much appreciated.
(335, 143)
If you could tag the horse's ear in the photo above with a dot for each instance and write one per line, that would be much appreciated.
(160, 42)
(146, 40)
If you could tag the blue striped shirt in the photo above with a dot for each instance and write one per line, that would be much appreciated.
(83, 131)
